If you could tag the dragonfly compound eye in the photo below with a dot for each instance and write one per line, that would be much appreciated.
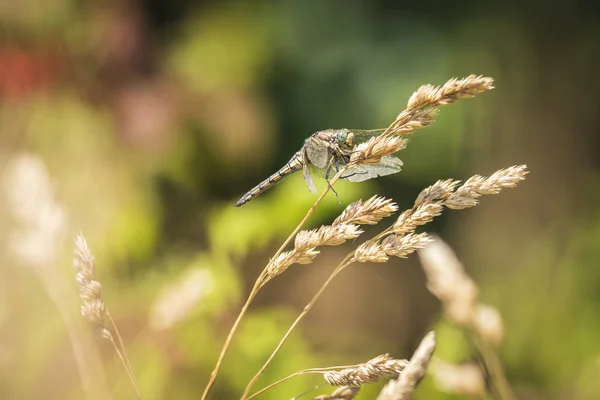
(345, 138)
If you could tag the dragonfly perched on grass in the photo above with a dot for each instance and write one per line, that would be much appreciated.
(325, 151)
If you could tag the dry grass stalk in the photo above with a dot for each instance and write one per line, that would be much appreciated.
(180, 299)
(400, 241)
(93, 308)
(42, 224)
(341, 393)
(42, 219)
(430, 202)
(306, 243)
(404, 387)
(448, 281)
(382, 366)
(454, 89)
(463, 379)
(343, 228)
(420, 113)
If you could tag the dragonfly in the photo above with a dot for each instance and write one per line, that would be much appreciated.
(326, 151)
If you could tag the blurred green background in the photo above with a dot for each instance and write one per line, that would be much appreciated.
(153, 117)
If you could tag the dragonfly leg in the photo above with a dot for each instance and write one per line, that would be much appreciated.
(355, 173)
(327, 178)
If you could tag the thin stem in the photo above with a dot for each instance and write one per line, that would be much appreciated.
(347, 261)
(123, 354)
(302, 372)
(494, 367)
(260, 283)
(260, 280)
(215, 372)
(88, 360)
(307, 216)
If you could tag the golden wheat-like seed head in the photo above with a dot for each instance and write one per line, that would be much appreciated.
(370, 252)
(377, 147)
(93, 308)
(382, 366)
(409, 220)
(440, 190)
(288, 258)
(455, 89)
(410, 120)
(368, 213)
(403, 387)
(402, 246)
(420, 112)
(327, 235)
(466, 195)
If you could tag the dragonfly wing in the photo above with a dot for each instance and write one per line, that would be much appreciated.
(387, 166)
(316, 152)
(361, 136)
(307, 178)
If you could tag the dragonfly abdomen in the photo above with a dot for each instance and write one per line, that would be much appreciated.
(295, 164)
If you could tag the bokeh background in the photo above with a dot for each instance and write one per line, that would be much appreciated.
(152, 117)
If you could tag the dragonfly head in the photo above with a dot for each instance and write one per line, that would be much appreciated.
(345, 138)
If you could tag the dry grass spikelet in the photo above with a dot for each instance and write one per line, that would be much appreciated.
(368, 213)
(370, 252)
(466, 195)
(345, 227)
(428, 205)
(375, 148)
(447, 280)
(440, 190)
(454, 89)
(286, 259)
(179, 299)
(93, 308)
(326, 235)
(409, 220)
(382, 366)
(488, 324)
(402, 246)
(410, 120)
(403, 387)
(463, 379)
(341, 393)
(420, 112)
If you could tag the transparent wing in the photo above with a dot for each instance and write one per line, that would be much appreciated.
(361, 136)
(316, 153)
(387, 166)
(307, 178)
